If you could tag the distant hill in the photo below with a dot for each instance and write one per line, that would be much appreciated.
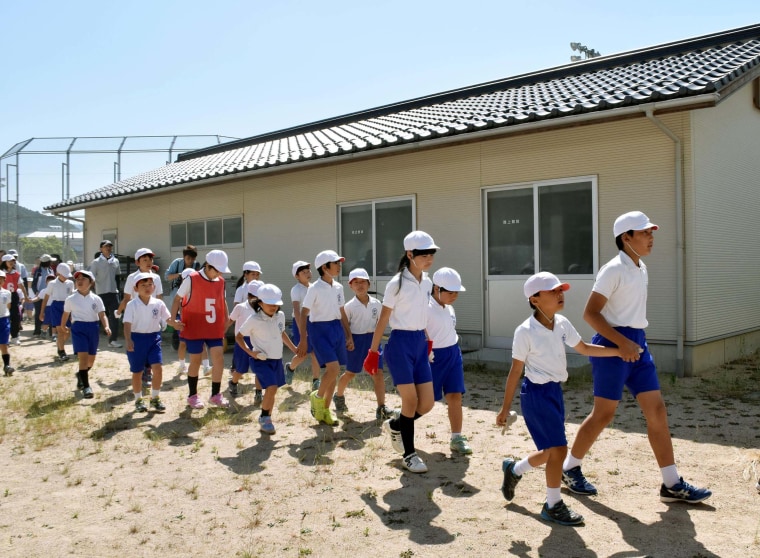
(30, 221)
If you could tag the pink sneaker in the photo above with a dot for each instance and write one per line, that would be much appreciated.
(194, 402)
(219, 400)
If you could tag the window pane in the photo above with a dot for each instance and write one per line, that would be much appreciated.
(356, 237)
(233, 230)
(510, 232)
(196, 233)
(178, 235)
(566, 239)
(393, 221)
(214, 232)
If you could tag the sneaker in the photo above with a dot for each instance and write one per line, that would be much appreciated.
(232, 388)
(115, 344)
(510, 479)
(561, 514)
(140, 406)
(682, 491)
(383, 412)
(340, 403)
(80, 383)
(8, 370)
(16, 341)
(206, 370)
(395, 436)
(258, 398)
(328, 418)
(414, 464)
(157, 404)
(459, 444)
(181, 367)
(62, 356)
(575, 482)
(219, 400)
(266, 426)
(87, 393)
(194, 402)
(317, 405)
(315, 383)
(289, 373)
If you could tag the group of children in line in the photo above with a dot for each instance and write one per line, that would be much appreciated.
(422, 351)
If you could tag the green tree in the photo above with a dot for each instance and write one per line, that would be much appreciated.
(32, 248)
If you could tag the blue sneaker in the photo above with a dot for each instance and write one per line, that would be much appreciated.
(575, 482)
(510, 479)
(266, 426)
(561, 514)
(682, 491)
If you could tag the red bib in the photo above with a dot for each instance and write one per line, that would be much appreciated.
(203, 311)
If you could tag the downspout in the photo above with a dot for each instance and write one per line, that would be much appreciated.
(680, 250)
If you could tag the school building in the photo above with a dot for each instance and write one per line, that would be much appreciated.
(512, 176)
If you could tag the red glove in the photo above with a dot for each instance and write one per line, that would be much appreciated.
(430, 346)
(371, 362)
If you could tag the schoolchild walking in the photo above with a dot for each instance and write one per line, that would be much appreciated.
(39, 284)
(446, 359)
(241, 361)
(405, 307)
(328, 330)
(46, 328)
(251, 272)
(87, 313)
(538, 351)
(301, 270)
(616, 309)
(57, 293)
(362, 312)
(144, 317)
(204, 317)
(13, 282)
(5, 325)
(181, 345)
(266, 330)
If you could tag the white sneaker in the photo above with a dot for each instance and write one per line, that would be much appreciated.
(115, 344)
(395, 436)
(181, 367)
(414, 464)
(17, 341)
(206, 370)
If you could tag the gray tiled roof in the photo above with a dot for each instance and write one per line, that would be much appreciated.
(683, 69)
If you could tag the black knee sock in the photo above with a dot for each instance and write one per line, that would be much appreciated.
(192, 383)
(406, 426)
(7, 360)
(265, 413)
(416, 415)
(216, 387)
(83, 375)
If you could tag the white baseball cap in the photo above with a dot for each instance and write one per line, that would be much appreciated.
(63, 269)
(327, 256)
(2, 273)
(358, 273)
(186, 272)
(47, 258)
(449, 279)
(13, 251)
(85, 273)
(143, 252)
(142, 276)
(251, 266)
(8, 257)
(299, 264)
(632, 221)
(419, 240)
(253, 287)
(218, 260)
(543, 281)
(270, 294)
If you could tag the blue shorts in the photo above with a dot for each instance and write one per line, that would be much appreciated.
(85, 337)
(296, 337)
(269, 372)
(55, 311)
(5, 330)
(328, 341)
(355, 358)
(612, 373)
(543, 409)
(241, 359)
(195, 346)
(448, 371)
(147, 351)
(406, 357)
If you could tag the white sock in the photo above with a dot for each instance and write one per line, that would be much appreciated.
(137, 394)
(553, 496)
(670, 476)
(155, 392)
(522, 467)
(205, 363)
(455, 434)
(570, 462)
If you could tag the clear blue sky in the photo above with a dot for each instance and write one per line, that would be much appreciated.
(240, 68)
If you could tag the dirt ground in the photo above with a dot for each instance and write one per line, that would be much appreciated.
(92, 478)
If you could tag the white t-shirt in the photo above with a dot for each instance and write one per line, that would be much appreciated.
(5, 300)
(240, 314)
(146, 317)
(84, 308)
(441, 325)
(58, 291)
(265, 333)
(187, 285)
(361, 318)
(297, 294)
(410, 304)
(129, 284)
(624, 285)
(324, 301)
(241, 294)
(542, 350)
